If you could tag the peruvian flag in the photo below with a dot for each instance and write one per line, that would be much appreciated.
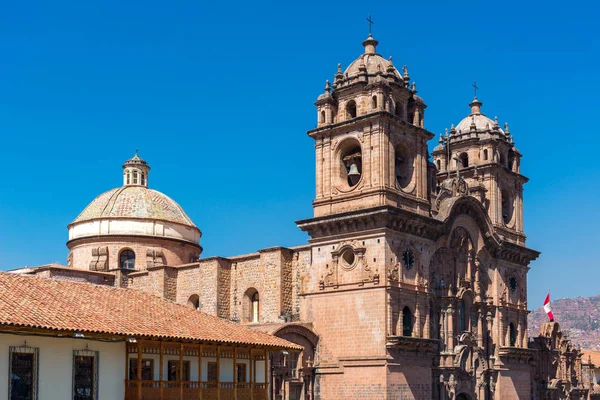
(547, 308)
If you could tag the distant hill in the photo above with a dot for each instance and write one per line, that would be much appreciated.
(579, 318)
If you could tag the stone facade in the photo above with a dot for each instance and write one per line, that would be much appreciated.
(414, 281)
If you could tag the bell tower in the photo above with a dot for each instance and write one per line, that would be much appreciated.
(485, 156)
(371, 147)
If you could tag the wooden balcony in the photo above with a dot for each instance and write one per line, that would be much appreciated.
(185, 390)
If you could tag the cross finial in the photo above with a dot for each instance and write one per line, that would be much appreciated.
(475, 87)
(370, 20)
(136, 152)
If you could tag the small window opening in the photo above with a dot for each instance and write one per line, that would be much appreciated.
(127, 259)
(464, 160)
(403, 166)
(351, 109)
(462, 316)
(485, 154)
(407, 322)
(348, 257)
(374, 102)
(507, 207)
(398, 109)
(322, 117)
(135, 177)
(512, 334)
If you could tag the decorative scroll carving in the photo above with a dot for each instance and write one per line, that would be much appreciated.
(154, 258)
(99, 259)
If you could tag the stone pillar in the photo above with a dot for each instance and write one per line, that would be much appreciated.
(480, 317)
(399, 327)
(319, 171)
(500, 320)
(417, 325)
(427, 327)
(450, 318)
(519, 341)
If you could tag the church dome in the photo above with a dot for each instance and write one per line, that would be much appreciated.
(134, 202)
(370, 61)
(134, 210)
(480, 120)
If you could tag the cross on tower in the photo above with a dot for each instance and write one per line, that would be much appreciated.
(475, 87)
(370, 20)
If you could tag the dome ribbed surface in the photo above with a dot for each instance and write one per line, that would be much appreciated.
(136, 202)
(374, 63)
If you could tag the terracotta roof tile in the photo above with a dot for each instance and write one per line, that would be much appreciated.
(34, 302)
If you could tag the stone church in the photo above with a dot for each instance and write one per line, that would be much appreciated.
(414, 282)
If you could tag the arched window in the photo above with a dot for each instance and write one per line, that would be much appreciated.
(485, 154)
(398, 109)
(322, 117)
(127, 259)
(462, 316)
(507, 206)
(464, 160)
(128, 176)
(251, 306)
(439, 165)
(512, 335)
(407, 322)
(135, 177)
(194, 302)
(403, 166)
(143, 179)
(255, 307)
(351, 109)
(374, 102)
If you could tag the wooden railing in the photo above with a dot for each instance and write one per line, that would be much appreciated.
(176, 390)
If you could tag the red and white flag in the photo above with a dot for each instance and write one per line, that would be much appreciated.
(547, 308)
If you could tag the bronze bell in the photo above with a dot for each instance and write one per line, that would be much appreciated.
(353, 173)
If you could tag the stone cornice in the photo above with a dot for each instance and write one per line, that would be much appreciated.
(412, 343)
(127, 238)
(399, 220)
(325, 129)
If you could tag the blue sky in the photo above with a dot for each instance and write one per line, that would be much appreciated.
(218, 96)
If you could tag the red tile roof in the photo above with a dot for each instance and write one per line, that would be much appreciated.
(33, 302)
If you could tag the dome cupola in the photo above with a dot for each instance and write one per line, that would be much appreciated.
(136, 221)
(135, 171)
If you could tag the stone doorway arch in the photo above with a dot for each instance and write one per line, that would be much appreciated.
(293, 374)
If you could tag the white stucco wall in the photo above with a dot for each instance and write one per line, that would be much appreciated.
(161, 229)
(56, 365)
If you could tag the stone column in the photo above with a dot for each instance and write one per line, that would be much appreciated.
(480, 318)
(450, 317)
(500, 320)
(427, 327)
(417, 325)
(319, 172)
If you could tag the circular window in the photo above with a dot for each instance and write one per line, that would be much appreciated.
(512, 283)
(408, 258)
(348, 257)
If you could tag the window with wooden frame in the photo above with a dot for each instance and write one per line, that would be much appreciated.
(211, 372)
(147, 369)
(173, 371)
(23, 372)
(240, 370)
(85, 375)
